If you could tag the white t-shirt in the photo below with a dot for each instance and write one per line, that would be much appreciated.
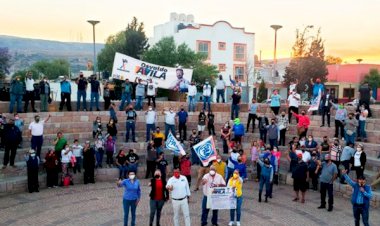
(77, 150)
(29, 84)
(192, 90)
(170, 117)
(363, 115)
(37, 129)
(151, 89)
(150, 117)
(292, 101)
(180, 187)
(212, 182)
(306, 157)
(207, 90)
(357, 162)
(66, 158)
(220, 84)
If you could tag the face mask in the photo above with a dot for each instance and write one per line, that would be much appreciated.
(310, 139)
(130, 109)
(150, 109)
(234, 151)
(266, 162)
(132, 177)
(272, 122)
(171, 111)
(98, 120)
(176, 175)
(37, 119)
(350, 117)
(359, 149)
(212, 172)
(235, 176)
(182, 109)
(206, 83)
(239, 160)
(33, 155)
(283, 115)
(157, 131)
(16, 117)
(303, 113)
(336, 143)
(313, 154)
(218, 160)
(194, 133)
(156, 176)
(341, 107)
(275, 150)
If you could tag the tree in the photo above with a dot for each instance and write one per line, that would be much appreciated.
(5, 58)
(50, 69)
(373, 78)
(132, 42)
(331, 60)
(307, 61)
(261, 93)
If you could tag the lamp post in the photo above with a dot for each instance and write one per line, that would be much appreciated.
(93, 23)
(275, 27)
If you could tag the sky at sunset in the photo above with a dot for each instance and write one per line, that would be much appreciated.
(351, 29)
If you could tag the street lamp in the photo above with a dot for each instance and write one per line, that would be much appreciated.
(93, 23)
(275, 27)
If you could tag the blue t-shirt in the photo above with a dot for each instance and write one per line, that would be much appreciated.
(275, 100)
(182, 116)
(132, 191)
(316, 88)
(253, 108)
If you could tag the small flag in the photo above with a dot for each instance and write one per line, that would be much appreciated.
(314, 106)
(206, 150)
(173, 144)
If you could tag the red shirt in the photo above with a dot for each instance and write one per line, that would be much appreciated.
(185, 167)
(303, 120)
(158, 193)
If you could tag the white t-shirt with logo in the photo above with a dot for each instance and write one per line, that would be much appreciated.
(293, 102)
(151, 91)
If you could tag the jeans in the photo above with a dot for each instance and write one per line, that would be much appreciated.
(99, 157)
(139, 104)
(339, 127)
(207, 99)
(29, 95)
(239, 202)
(184, 205)
(350, 138)
(15, 98)
(282, 137)
(235, 108)
(65, 98)
(191, 100)
(132, 167)
(326, 187)
(360, 210)
(155, 209)
(149, 128)
(122, 171)
(81, 94)
(263, 135)
(251, 117)
(77, 165)
(44, 102)
(125, 97)
(129, 204)
(130, 125)
(36, 144)
(273, 143)
(12, 148)
(214, 219)
(362, 132)
(220, 93)
(171, 128)
(94, 96)
(264, 180)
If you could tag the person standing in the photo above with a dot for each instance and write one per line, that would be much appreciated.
(158, 140)
(293, 103)
(207, 95)
(82, 87)
(303, 123)
(99, 151)
(202, 118)
(182, 120)
(107, 96)
(317, 87)
(19, 123)
(365, 97)
(140, 94)
(180, 193)
(112, 129)
(363, 114)
(51, 166)
(235, 105)
(300, 175)
(110, 148)
(59, 143)
(263, 123)
(131, 197)
(121, 163)
(210, 123)
(151, 92)
(151, 118)
(347, 153)
(360, 199)
(225, 135)
(325, 108)
(158, 196)
(66, 156)
(236, 183)
(194, 139)
(350, 128)
(220, 166)
(32, 164)
(273, 133)
(97, 127)
(36, 129)
(238, 130)
(96, 92)
(44, 94)
(328, 175)
(360, 159)
(127, 94)
(151, 157)
(209, 181)
(340, 117)
(170, 118)
(16, 92)
(283, 123)
(78, 153)
(12, 137)
(130, 124)
(29, 92)
(220, 89)
(89, 160)
(275, 102)
(65, 94)
(191, 94)
(185, 167)
(252, 116)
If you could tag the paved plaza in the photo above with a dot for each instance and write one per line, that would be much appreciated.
(101, 204)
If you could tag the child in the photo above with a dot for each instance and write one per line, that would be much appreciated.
(78, 153)
(113, 112)
(32, 163)
(97, 127)
(110, 150)
(185, 167)
(99, 150)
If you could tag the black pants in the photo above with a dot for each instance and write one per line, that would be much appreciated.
(327, 188)
(339, 127)
(150, 168)
(65, 99)
(88, 175)
(258, 169)
(182, 130)
(282, 137)
(263, 135)
(314, 179)
(33, 180)
(51, 177)
(360, 209)
(211, 129)
(225, 146)
(107, 103)
(251, 117)
(12, 149)
(275, 110)
(153, 98)
(188, 177)
(29, 96)
(295, 110)
(155, 209)
(109, 157)
(359, 171)
(175, 162)
(325, 112)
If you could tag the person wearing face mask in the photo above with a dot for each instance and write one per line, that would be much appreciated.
(151, 92)
(350, 128)
(328, 175)
(202, 118)
(240, 166)
(300, 175)
(266, 178)
(252, 116)
(32, 163)
(51, 166)
(107, 95)
(340, 117)
(110, 147)
(150, 119)
(191, 97)
(19, 123)
(170, 121)
(225, 134)
(236, 183)
(16, 92)
(81, 94)
(206, 95)
(347, 154)
(274, 162)
(127, 94)
(275, 102)
(312, 167)
(324, 148)
(78, 153)
(293, 103)
(361, 197)
(185, 167)
(59, 143)
(238, 129)
(220, 166)
(112, 129)
(121, 163)
(89, 160)
(220, 89)
(112, 111)
(317, 87)
(273, 131)
(234, 154)
(235, 105)
(95, 92)
(292, 157)
(210, 123)
(311, 144)
(325, 108)
(139, 93)
(180, 195)
(97, 127)
(263, 123)
(303, 123)
(12, 138)
(162, 165)
(130, 124)
(283, 123)
(209, 181)
(362, 116)
(36, 129)
(182, 120)
(360, 159)
(335, 153)
(132, 161)
(44, 94)
(158, 196)
(158, 140)
(131, 197)
(29, 94)
(276, 153)
(66, 156)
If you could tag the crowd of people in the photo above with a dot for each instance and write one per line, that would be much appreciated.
(310, 164)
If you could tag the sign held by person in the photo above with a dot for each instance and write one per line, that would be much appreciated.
(206, 150)
(222, 198)
(173, 144)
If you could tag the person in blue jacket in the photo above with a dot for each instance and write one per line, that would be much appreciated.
(274, 163)
(238, 130)
(239, 165)
(266, 177)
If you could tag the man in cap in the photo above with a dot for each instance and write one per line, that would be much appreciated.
(300, 175)
(32, 163)
(36, 129)
(328, 175)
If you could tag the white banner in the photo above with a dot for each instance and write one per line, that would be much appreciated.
(126, 67)
(314, 106)
(222, 198)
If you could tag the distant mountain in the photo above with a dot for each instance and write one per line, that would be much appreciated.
(26, 51)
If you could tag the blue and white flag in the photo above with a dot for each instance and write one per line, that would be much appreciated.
(173, 144)
(206, 150)
(314, 106)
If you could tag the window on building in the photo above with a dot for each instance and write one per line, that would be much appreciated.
(204, 47)
(222, 67)
(222, 46)
(239, 52)
(348, 92)
(239, 72)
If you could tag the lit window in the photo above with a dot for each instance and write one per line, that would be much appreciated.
(239, 52)
(204, 47)
(222, 46)
(222, 67)
(239, 71)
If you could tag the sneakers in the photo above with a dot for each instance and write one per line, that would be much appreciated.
(238, 223)
(231, 223)
(321, 207)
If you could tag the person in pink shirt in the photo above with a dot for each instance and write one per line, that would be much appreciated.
(254, 153)
(303, 123)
